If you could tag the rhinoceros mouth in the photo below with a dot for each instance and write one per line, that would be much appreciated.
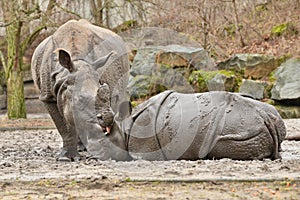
(106, 129)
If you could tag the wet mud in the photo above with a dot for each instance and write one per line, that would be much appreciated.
(28, 164)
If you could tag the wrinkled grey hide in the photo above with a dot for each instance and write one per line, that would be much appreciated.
(69, 68)
(196, 126)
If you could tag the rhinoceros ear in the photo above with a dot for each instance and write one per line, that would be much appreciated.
(101, 61)
(65, 60)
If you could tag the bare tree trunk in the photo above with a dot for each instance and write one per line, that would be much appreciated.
(15, 96)
(205, 25)
(13, 71)
(107, 9)
(97, 11)
(237, 27)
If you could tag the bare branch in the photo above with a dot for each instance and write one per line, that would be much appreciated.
(68, 11)
(30, 39)
(7, 24)
(237, 27)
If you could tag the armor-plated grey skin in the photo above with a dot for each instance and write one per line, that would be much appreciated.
(71, 65)
(209, 125)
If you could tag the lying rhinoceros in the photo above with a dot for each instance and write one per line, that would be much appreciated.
(211, 125)
(70, 65)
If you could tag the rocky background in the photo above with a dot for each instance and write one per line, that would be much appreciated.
(158, 64)
(274, 80)
(163, 59)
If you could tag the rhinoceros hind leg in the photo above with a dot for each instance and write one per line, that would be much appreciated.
(258, 147)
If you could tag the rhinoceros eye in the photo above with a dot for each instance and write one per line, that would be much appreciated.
(99, 116)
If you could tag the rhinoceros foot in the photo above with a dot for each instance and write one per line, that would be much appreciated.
(80, 146)
(69, 156)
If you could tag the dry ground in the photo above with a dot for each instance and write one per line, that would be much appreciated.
(28, 170)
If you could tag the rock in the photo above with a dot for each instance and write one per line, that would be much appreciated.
(161, 79)
(27, 76)
(222, 82)
(219, 80)
(172, 56)
(287, 85)
(217, 83)
(144, 62)
(139, 86)
(254, 66)
(158, 68)
(172, 79)
(3, 101)
(34, 106)
(288, 112)
(257, 89)
(30, 91)
(188, 57)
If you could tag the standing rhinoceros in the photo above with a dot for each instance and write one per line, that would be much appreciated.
(172, 125)
(70, 65)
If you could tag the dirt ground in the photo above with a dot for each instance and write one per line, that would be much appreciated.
(29, 170)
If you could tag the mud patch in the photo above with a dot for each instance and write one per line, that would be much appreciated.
(108, 189)
(28, 168)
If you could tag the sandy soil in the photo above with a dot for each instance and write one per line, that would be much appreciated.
(28, 170)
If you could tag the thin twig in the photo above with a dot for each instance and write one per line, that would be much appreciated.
(7, 24)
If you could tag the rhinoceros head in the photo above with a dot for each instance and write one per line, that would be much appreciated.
(81, 97)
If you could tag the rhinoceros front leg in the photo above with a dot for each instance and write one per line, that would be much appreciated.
(68, 134)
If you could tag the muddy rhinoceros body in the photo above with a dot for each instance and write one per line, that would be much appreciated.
(71, 65)
(196, 126)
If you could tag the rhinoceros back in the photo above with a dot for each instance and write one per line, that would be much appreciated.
(86, 42)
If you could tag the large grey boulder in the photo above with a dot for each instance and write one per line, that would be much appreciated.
(254, 66)
(139, 86)
(144, 62)
(287, 85)
(165, 67)
(222, 82)
(182, 56)
(256, 89)
(216, 80)
(173, 56)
